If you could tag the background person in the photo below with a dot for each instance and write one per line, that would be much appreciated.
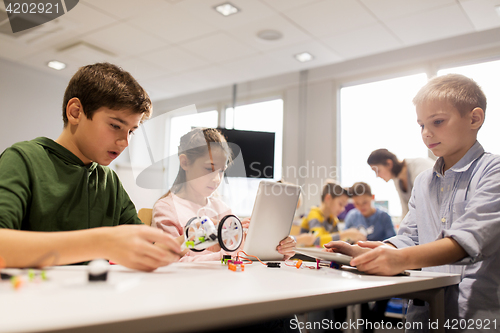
(387, 166)
(378, 226)
(320, 225)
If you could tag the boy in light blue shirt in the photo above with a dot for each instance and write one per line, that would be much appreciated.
(453, 224)
(376, 223)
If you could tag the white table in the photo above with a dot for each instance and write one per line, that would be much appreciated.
(193, 296)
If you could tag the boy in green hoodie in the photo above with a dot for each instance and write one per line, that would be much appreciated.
(58, 199)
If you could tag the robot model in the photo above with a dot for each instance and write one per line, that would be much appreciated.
(200, 232)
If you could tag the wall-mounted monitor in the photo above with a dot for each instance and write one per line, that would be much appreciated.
(256, 149)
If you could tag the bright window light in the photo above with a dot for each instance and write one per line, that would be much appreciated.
(497, 8)
(57, 65)
(304, 56)
(488, 135)
(226, 9)
(379, 115)
(267, 116)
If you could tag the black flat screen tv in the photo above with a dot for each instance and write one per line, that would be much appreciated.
(256, 149)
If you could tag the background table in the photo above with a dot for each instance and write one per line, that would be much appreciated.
(191, 296)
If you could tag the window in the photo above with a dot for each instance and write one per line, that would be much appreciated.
(177, 126)
(240, 193)
(379, 115)
(483, 74)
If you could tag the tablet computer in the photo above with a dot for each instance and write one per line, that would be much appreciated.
(323, 255)
(271, 220)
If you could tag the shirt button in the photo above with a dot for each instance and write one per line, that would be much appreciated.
(443, 220)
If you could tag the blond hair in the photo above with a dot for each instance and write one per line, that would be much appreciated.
(461, 92)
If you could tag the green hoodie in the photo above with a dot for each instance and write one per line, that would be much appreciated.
(45, 187)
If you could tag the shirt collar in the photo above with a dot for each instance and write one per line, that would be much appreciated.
(464, 163)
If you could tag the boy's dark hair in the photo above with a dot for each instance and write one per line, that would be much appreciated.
(334, 189)
(105, 84)
(380, 157)
(359, 189)
(463, 93)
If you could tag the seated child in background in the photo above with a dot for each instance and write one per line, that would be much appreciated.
(378, 226)
(365, 217)
(204, 156)
(453, 223)
(320, 225)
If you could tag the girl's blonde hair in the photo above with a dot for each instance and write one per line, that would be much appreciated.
(195, 144)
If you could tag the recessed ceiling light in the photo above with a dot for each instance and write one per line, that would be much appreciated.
(226, 9)
(304, 56)
(497, 8)
(270, 35)
(57, 65)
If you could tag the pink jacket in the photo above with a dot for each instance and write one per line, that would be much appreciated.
(171, 214)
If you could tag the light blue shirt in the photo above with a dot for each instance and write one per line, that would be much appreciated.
(463, 203)
(378, 225)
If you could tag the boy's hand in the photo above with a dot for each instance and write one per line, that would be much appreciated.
(353, 234)
(306, 239)
(345, 248)
(132, 246)
(373, 244)
(383, 260)
(287, 247)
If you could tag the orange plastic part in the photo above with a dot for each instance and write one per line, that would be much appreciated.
(17, 282)
(236, 267)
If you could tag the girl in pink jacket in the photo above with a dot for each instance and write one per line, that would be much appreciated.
(203, 158)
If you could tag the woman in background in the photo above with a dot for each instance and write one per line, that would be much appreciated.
(387, 166)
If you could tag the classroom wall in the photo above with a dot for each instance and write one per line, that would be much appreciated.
(30, 105)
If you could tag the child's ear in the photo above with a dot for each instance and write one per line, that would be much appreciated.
(183, 161)
(389, 163)
(74, 111)
(477, 118)
(373, 196)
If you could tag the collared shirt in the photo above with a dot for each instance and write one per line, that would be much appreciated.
(462, 203)
(414, 166)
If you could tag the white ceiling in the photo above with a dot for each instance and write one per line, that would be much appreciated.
(175, 47)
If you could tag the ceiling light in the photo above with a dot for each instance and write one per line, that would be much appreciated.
(269, 35)
(497, 8)
(57, 65)
(226, 9)
(304, 56)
